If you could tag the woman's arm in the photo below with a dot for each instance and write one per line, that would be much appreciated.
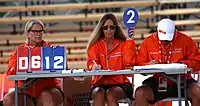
(12, 65)
(93, 59)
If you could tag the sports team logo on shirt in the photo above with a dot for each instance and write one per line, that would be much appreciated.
(161, 31)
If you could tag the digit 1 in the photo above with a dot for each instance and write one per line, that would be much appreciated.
(47, 62)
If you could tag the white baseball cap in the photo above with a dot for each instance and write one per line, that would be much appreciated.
(166, 28)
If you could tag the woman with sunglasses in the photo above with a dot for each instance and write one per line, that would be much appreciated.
(110, 49)
(44, 92)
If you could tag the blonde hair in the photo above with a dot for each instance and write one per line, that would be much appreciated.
(30, 24)
(98, 33)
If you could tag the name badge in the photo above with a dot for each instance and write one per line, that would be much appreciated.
(162, 86)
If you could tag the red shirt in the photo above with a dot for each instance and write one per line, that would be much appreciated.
(181, 49)
(122, 55)
(38, 86)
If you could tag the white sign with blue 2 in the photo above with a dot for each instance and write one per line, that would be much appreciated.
(130, 17)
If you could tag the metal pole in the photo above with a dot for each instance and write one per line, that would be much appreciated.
(185, 91)
(179, 89)
(16, 93)
(25, 102)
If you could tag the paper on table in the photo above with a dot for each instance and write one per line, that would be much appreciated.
(66, 71)
(78, 71)
(73, 71)
(161, 66)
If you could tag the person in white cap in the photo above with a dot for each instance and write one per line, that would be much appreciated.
(165, 46)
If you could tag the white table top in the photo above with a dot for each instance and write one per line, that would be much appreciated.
(102, 72)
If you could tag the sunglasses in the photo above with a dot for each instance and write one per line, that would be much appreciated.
(37, 31)
(112, 27)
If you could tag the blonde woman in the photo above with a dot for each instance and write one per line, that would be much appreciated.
(110, 48)
(45, 92)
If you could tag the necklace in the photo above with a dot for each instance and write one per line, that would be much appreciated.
(165, 56)
(165, 52)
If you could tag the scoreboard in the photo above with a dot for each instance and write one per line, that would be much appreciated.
(41, 59)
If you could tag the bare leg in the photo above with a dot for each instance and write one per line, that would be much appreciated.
(98, 96)
(9, 100)
(194, 93)
(113, 95)
(50, 97)
(142, 95)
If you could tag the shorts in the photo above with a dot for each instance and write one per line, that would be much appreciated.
(127, 88)
(171, 89)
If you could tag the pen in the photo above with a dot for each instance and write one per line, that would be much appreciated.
(94, 62)
(97, 66)
(151, 58)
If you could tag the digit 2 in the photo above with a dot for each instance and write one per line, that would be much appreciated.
(132, 13)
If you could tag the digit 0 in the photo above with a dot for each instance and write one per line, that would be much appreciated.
(21, 61)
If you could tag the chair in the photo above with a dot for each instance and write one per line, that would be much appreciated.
(171, 99)
(198, 77)
(2, 85)
(5, 86)
(127, 100)
(61, 83)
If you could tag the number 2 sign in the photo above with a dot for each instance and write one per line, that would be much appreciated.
(130, 17)
(40, 59)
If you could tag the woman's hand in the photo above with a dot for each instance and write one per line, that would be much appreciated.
(96, 67)
(131, 33)
(152, 62)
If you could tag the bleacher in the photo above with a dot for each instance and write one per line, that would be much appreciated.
(76, 39)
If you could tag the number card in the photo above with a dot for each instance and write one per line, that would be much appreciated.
(54, 58)
(28, 60)
(130, 18)
(59, 58)
(35, 59)
(22, 59)
(47, 57)
(41, 59)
